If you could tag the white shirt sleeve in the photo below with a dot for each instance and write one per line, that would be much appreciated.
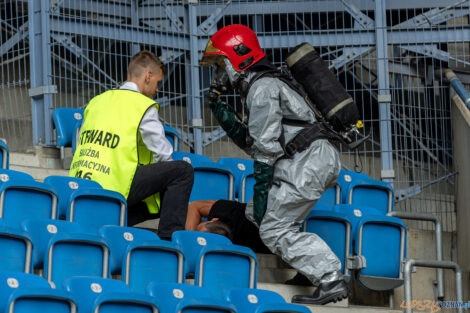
(153, 136)
(152, 132)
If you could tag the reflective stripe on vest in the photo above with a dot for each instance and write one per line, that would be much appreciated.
(110, 146)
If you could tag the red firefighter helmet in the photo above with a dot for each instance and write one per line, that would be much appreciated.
(236, 42)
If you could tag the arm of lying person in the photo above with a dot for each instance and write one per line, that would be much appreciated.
(197, 210)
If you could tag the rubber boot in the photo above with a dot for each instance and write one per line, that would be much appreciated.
(325, 293)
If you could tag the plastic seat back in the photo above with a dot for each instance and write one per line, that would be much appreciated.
(15, 250)
(192, 242)
(11, 175)
(247, 183)
(23, 199)
(47, 300)
(104, 295)
(140, 268)
(223, 267)
(239, 168)
(212, 181)
(4, 155)
(65, 186)
(374, 193)
(75, 255)
(11, 281)
(76, 134)
(329, 198)
(172, 136)
(41, 231)
(382, 271)
(64, 122)
(190, 158)
(256, 300)
(173, 297)
(119, 238)
(335, 229)
(94, 208)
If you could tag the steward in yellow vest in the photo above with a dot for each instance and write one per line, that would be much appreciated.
(110, 146)
(122, 146)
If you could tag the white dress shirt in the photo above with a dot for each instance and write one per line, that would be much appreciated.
(151, 130)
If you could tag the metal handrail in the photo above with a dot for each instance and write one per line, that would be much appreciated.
(433, 264)
(458, 86)
(438, 232)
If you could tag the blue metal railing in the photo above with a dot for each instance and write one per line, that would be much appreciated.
(458, 87)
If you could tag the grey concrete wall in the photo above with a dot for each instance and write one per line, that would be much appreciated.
(461, 131)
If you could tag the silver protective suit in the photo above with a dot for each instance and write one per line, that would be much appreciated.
(297, 182)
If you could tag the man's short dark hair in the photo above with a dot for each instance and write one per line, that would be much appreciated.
(219, 228)
(142, 61)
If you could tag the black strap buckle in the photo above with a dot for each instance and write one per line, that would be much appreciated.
(291, 149)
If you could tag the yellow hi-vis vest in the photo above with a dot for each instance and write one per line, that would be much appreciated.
(110, 146)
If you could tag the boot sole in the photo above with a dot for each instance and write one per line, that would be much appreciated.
(332, 298)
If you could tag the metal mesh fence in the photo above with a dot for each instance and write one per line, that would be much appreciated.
(389, 55)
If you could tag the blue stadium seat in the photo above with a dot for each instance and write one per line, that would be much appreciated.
(107, 295)
(191, 158)
(173, 297)
(223, 267)
(239, 168)
(41, 231)
(173, 137)
(383, 266)
(192, 242)
(4, 155)
(261, 301)
(7, 175)
(64, 122)
(21, 292)
(118, 239)
(376, 268)
(93, 208)
(76, 134)
(358, 188)
(75, 255)
(15, 250)
(22, 199)
(247, 182)
(335, 229)
(26, 300)
(141, 268)
(212, 181)
(329, 199)
(65, 185)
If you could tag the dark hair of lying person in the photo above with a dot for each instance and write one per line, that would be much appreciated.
(219, 228)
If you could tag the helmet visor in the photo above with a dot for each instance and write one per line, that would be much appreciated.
(212, 56)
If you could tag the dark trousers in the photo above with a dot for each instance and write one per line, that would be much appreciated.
(174, 181)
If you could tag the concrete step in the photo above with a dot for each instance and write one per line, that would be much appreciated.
(44, 163)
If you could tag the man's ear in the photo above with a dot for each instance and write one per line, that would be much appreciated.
(148, 75)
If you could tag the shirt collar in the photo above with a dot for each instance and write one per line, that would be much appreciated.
(130, 86)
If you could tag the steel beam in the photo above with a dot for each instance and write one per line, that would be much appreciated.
(20, 34)
(152, 9)
(119, 33)
(194, 99)
(40, 67)
(384, 95)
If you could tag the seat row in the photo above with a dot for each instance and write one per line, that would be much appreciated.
(59, 197)
(25, 293)
(59, 250)
(351, 218)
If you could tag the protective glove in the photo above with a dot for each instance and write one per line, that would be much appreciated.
(225, 114)
(263, 180)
